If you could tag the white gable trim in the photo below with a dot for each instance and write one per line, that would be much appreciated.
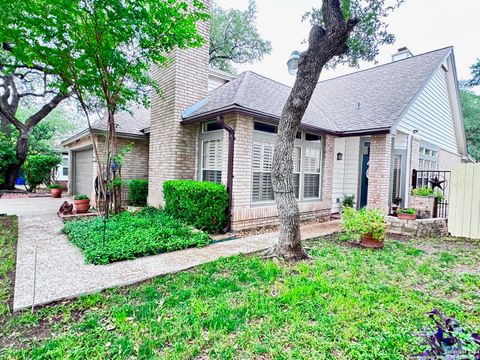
(450, 135)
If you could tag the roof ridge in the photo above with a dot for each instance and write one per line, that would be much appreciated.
(386, 64)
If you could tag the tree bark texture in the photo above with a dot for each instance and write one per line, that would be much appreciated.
(325, 42)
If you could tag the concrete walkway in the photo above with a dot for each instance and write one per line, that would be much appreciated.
(61, 272)
(32, 206)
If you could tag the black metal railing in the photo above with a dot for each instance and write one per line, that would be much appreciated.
(439, 181)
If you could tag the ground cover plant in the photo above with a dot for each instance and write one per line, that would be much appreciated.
(345, 303)
(128, 236)
(8, 244)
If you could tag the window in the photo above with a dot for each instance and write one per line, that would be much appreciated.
(312, 137)
(397, 177)
(65, 171)
(211, 126)
(307, 159)
(427, 165)
(297, 165)
(258, 126)
(262, 158)
(212, 160)
(311, 180)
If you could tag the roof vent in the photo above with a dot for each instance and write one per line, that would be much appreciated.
(402, 53)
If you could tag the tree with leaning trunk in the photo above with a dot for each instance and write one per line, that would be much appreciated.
(343, 31)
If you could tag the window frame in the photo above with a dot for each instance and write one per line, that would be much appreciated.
(302, 144)
(214, 135)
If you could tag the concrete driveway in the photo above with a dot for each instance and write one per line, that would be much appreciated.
(32, 206)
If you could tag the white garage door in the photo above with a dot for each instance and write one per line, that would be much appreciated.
(83, 175)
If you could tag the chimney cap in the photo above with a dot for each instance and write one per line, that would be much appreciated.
(402, 53)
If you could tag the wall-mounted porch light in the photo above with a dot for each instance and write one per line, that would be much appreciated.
(339, 156)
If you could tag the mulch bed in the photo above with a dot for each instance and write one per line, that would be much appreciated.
(22, 195)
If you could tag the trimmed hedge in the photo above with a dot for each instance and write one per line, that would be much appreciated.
(201, 204)
(128, 236)
(138, 192)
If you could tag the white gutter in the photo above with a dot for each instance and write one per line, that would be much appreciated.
(408, 170)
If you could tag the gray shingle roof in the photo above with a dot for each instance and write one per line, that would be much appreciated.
(365, 100)
(133, 122)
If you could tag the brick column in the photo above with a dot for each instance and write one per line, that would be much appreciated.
(173, 146)
(379, 172)
(328, 158)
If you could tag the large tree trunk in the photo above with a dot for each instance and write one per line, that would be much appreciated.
(13, 170)
(324, 44)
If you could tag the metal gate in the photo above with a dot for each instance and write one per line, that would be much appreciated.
(439, 181)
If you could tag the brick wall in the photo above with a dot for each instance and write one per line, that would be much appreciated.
(173, 147)
(379, 172)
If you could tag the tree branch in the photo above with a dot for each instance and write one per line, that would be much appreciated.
(46, 109)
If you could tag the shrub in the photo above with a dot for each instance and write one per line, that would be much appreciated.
(428, 192)
(363, 222)
(447, 340)
(38, 169)
(348, 201)
(422, 191)
(198, 203)
(138, 192)
(81, 197)
(7, 156)
(128, 236)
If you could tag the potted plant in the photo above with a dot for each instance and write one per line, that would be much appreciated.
(348, 201)
(82, 203)
(366, 224)
(407, 214)
(55, 190)
(395, 204)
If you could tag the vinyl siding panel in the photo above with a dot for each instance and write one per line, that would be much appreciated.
(345, 172)
(431, 114)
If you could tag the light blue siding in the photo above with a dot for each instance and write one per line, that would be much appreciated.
(431, 114)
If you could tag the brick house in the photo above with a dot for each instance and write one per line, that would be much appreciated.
(362, 134)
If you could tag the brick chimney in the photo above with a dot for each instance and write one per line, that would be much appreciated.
(172, 146)
(401, 54)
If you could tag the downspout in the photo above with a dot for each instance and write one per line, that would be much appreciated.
(231, 147)
(408, 171)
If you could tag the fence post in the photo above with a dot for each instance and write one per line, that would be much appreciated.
(414, 179)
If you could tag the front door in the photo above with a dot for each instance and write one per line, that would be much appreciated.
(365, 160)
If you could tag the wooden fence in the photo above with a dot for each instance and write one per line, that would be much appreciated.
(464, 216)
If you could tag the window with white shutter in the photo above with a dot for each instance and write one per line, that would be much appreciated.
(307, 160)
(212, 160)
(262, 158)
(311, 170)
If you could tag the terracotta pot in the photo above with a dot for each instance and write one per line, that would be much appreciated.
(407, 216)
(56, 193)
(368, 241)
(82, 206)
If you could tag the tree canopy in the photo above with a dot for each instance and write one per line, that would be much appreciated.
(475, 80)
(471, 116)
(234, 37)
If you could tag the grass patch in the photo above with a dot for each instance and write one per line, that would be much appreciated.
(128, 236)
(347, 303)
(8, 245)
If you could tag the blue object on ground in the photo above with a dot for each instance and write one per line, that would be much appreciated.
(20, 181)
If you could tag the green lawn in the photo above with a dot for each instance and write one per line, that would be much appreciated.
(128, 236)
(347, 303)
(8, 244)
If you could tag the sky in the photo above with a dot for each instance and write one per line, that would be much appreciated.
(421, 25)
